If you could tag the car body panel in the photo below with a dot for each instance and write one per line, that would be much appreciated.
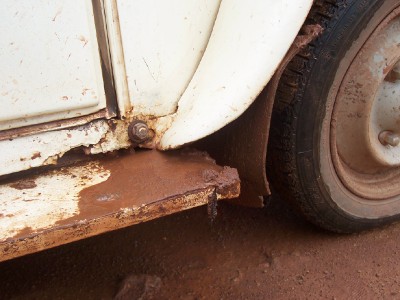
(243, 43)
(49, 61)
(159, 61)
(246, 46)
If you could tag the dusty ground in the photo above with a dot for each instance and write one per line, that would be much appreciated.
(244, 254)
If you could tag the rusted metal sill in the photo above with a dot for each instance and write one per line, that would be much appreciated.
(86, 199)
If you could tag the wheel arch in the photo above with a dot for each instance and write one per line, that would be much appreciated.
(240, 59)
(242, 144)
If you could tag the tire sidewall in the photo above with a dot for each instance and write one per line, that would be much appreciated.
(338, 45)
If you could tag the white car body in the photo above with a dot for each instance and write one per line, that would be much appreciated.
(187, 68)
(77, 75)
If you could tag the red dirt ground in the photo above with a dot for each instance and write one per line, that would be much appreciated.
(245, 254)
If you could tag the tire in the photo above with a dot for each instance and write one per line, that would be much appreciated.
(325, 154)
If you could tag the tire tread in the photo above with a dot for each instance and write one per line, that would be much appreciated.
(282, 162)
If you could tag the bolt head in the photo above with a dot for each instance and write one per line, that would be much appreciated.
(138, 131)
(389, 138)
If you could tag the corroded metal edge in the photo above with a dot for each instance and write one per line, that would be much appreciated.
(125, 217)
(206, 182)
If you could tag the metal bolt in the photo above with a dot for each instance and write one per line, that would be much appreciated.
(138, 131)
(389, 138)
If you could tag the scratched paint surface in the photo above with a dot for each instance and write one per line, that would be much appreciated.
(49, 62)
(39, 203)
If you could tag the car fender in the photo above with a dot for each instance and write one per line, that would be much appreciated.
(248, 41)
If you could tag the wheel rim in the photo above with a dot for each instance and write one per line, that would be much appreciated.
(365, 125)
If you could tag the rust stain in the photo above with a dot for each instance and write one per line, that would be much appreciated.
(84, 91)
(150, 179)
(27, 231)
(24, 185)
(221, 179)
(36, 155)
(141, 187)
(112, 125)
(83, 40)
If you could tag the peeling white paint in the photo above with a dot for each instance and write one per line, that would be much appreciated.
(114, 139)
(42, 149)
(47, 199)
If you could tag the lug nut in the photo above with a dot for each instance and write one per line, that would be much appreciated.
(389, 138)
(138, 132)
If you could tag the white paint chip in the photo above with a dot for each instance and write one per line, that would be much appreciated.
(49, 198)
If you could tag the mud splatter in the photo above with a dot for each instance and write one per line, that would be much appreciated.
(24, 185)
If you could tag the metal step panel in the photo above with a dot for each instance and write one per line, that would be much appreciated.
(38, 212)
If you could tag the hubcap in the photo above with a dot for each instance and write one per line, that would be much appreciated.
(365, 126)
